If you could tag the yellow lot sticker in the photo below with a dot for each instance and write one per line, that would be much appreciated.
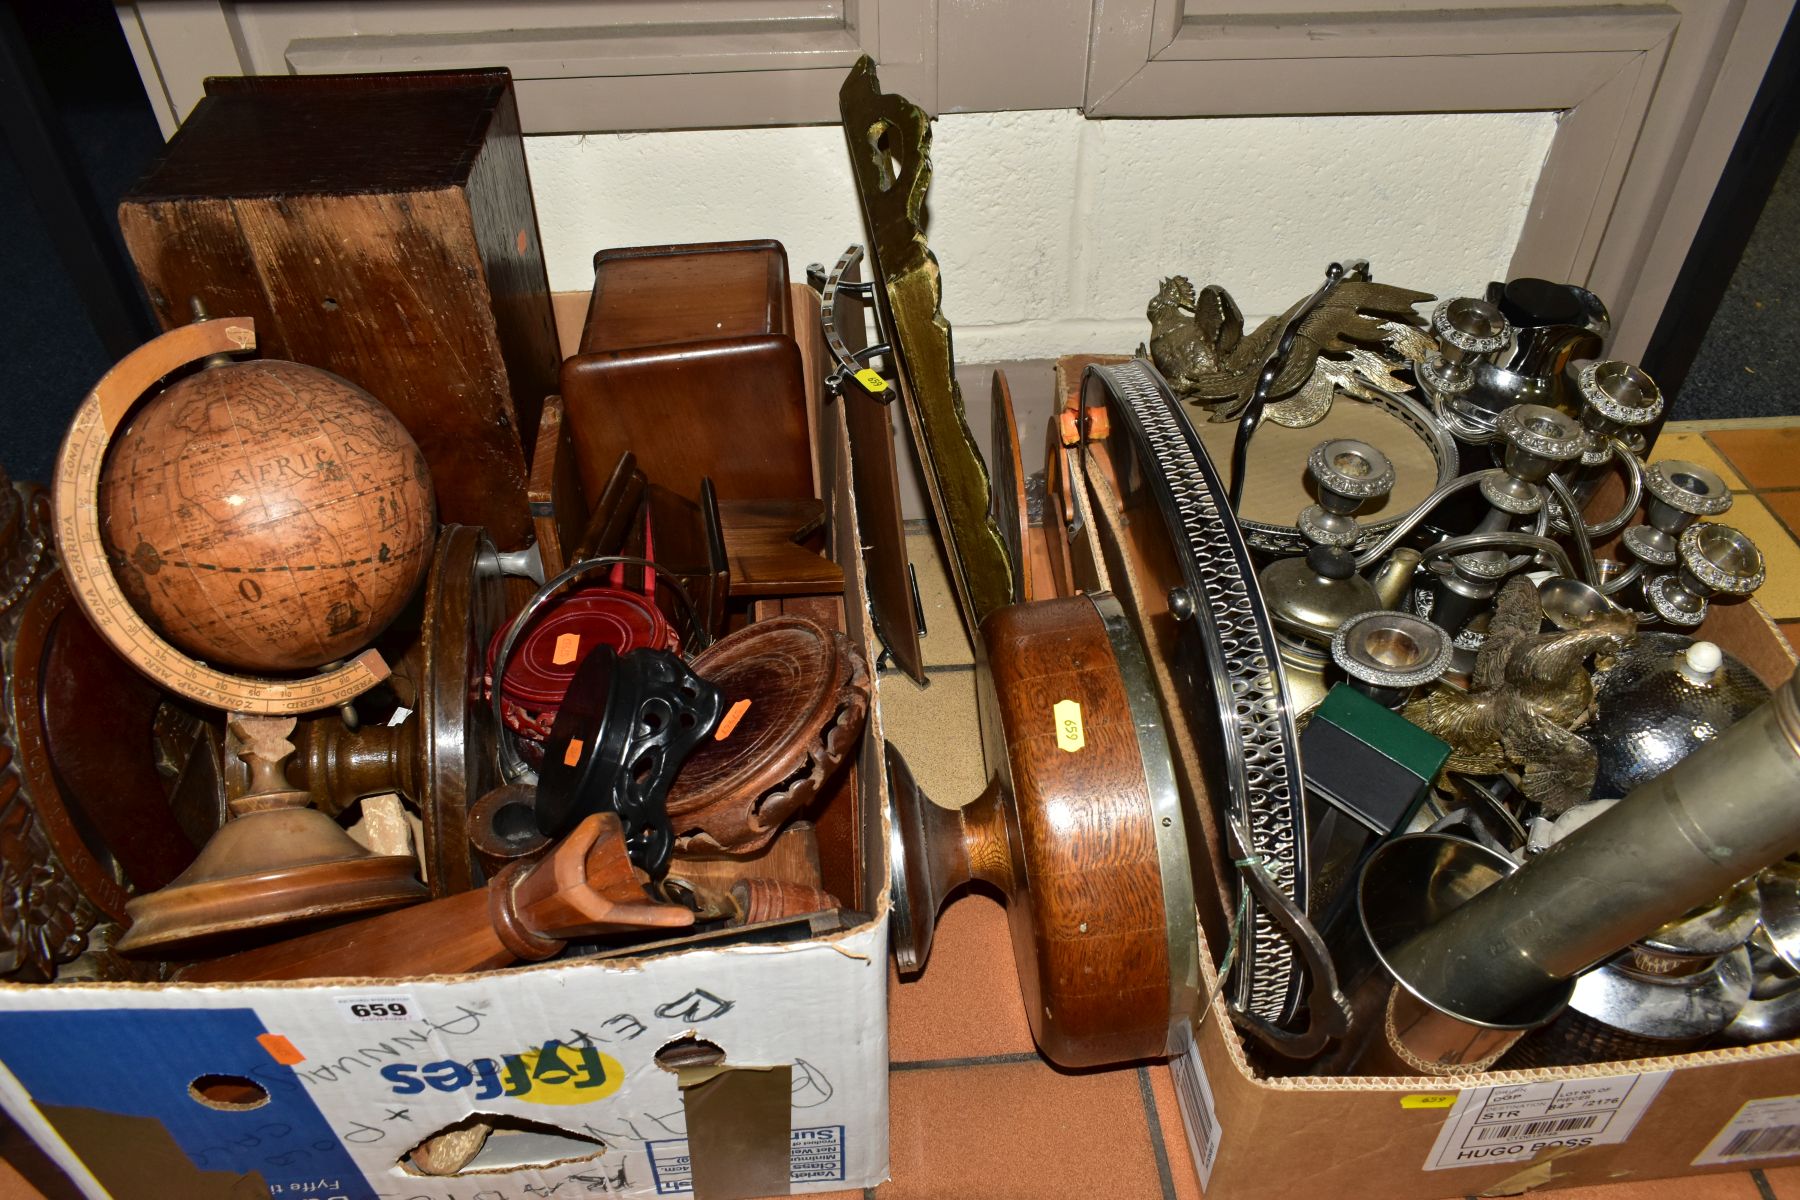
(1069, 734)
(1431, 1100)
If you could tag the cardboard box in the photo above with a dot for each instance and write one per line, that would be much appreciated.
(1502, 1132)
(1254, 1137)
(317, 1091)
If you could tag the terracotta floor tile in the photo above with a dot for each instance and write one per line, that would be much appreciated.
(1780, 594)
(13, 1185)
(1732, 1186)
(1691, 447)
(1785, 505)
(1783, 1181)
(1018, 1131)
(966, 1002)
(26, 1172)
(1764, 457)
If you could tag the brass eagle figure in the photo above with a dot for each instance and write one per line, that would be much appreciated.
(1198, 343)
(1529, 693)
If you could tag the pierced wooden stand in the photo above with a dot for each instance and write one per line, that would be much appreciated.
(801, 693)
(278, 861)
(585, 887)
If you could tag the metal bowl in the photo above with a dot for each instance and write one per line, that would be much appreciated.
(1650, 714)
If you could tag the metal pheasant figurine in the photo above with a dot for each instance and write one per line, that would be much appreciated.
(1361, 328)
(1529, 694)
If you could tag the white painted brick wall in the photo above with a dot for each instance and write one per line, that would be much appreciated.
(1054, 230)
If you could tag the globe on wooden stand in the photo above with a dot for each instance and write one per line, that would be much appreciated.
(271, 517)
(266, 515)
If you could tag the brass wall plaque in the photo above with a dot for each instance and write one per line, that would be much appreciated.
(889, 139)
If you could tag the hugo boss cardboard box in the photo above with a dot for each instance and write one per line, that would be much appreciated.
(1504, 1132)
(747, 1070)
(1255, 1137)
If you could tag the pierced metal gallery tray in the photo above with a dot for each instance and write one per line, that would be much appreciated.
(1173, 543)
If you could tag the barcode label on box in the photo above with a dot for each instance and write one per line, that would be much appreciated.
(1526, 1129)
(1767, 1128)
(1518, 1123)
(1199, 1112)
(815, 1155)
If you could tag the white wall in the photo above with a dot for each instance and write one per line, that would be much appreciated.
(1053, 231)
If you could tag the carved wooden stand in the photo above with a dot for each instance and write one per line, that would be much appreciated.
(801, 694)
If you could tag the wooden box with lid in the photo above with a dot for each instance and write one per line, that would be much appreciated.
(724, 396)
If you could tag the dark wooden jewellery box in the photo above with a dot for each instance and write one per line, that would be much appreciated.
(686, 393)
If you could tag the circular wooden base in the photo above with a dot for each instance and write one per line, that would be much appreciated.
(465, 601)
(282, 867)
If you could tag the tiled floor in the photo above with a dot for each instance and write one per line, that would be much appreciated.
(976, 1113)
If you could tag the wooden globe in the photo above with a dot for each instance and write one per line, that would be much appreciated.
(267, 515)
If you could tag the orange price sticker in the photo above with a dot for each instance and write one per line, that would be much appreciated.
(280, 1049)
(733, 715)
(568, 645)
